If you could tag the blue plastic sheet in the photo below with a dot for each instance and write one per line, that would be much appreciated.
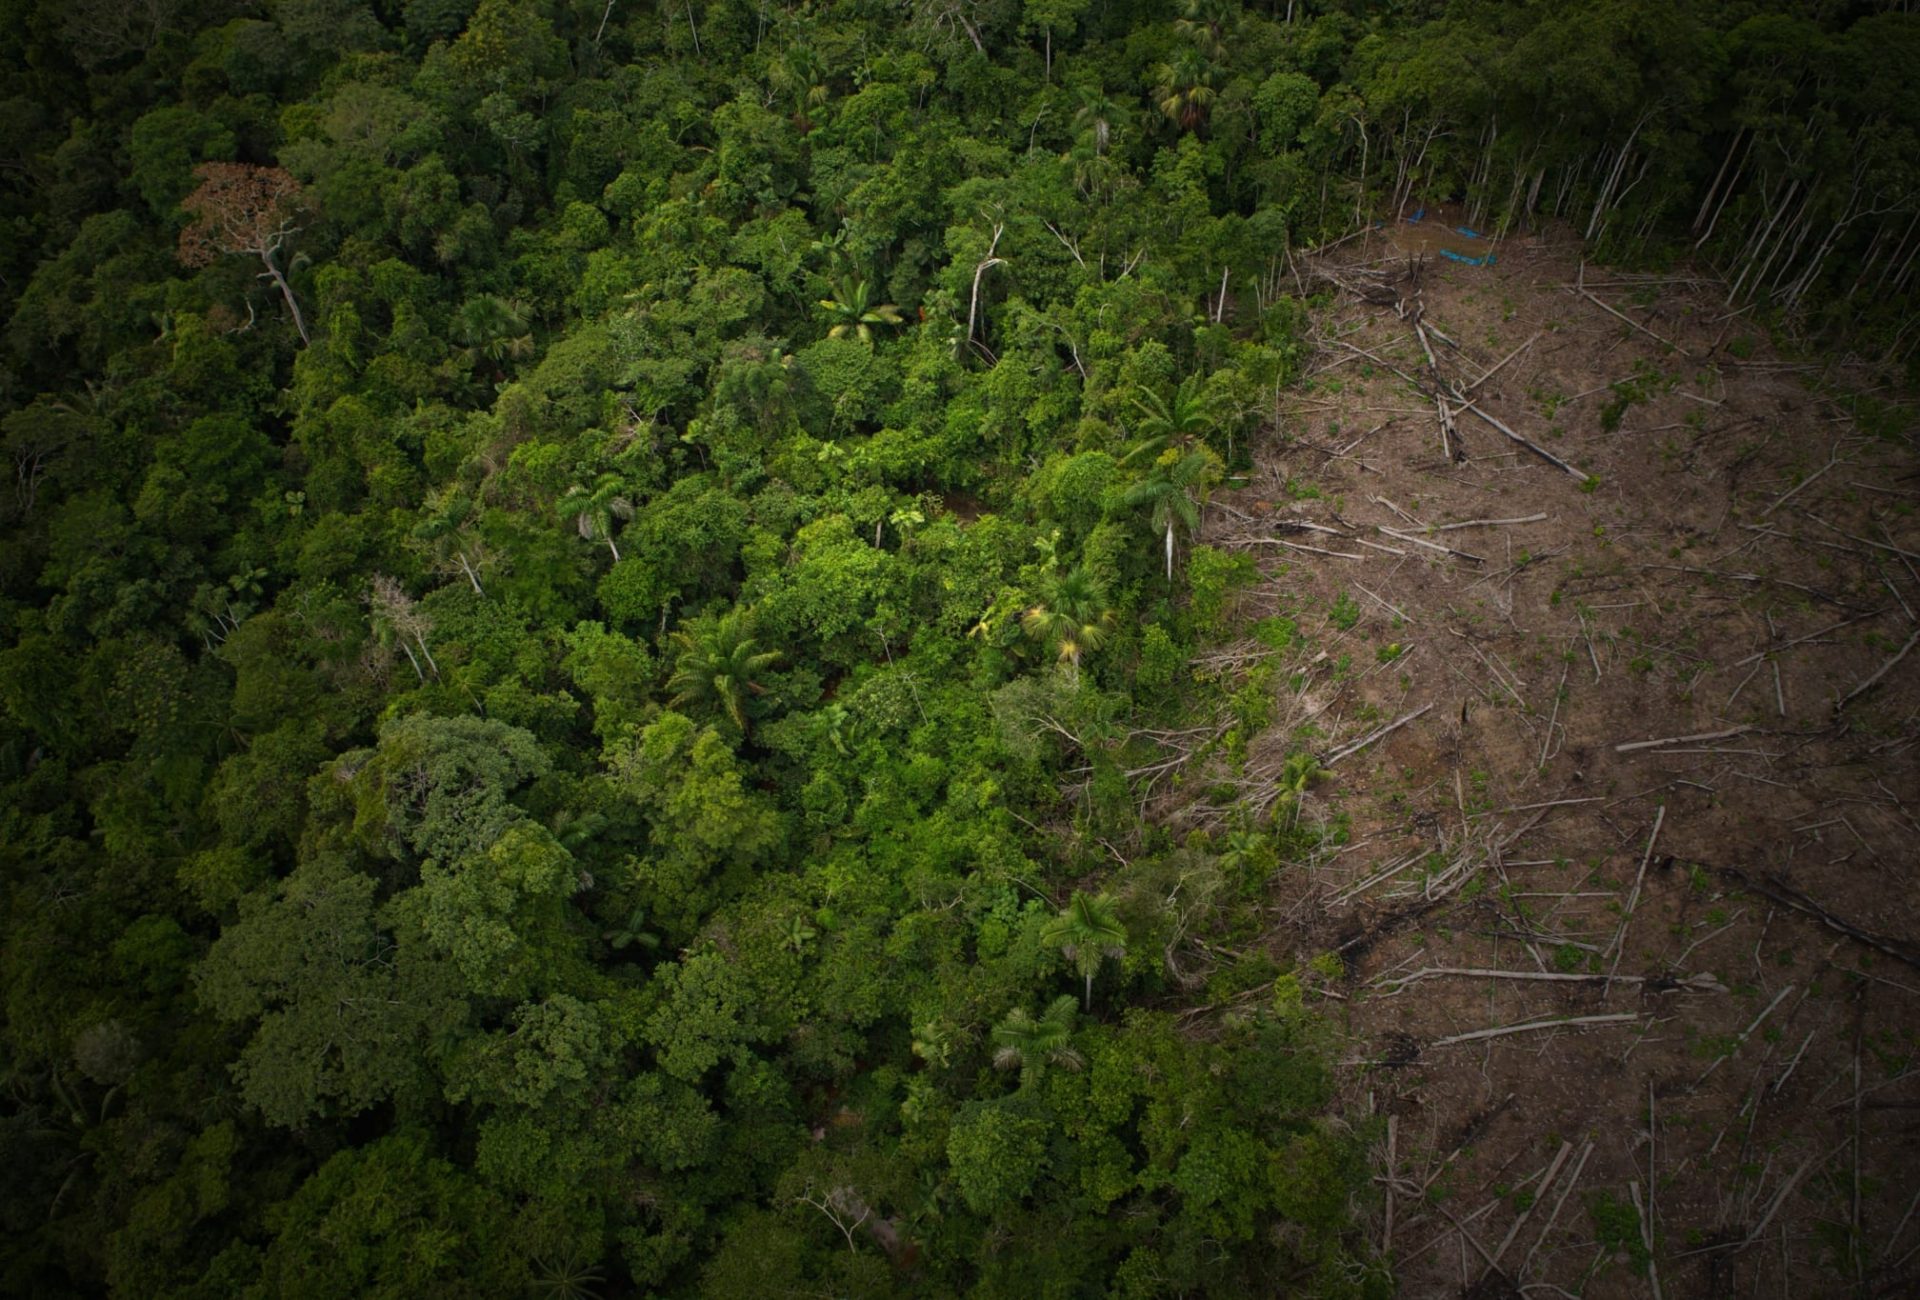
(1452, 256)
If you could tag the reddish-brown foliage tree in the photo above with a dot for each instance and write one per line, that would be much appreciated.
(240, 208)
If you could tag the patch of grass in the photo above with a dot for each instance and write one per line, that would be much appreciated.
(1344, 613)
(1616, 1226)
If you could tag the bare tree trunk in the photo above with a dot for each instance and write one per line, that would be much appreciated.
(415, 662)
(1707, 202)
(1906, 268)
(1600, 204)
(1361, 197)
(1726, 194)
(1799, 219)
(1760, 241)
(471, 577)
(286, 291)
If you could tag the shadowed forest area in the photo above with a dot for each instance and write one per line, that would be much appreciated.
(994, 648)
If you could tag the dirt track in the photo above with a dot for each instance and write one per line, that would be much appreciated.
(1748, 557)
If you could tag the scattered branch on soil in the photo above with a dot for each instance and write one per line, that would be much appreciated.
(1500, 1031)
(1358, 745)
(1886, 667)
(1631, 746)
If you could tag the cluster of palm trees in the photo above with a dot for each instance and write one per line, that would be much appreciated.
(1072, 618)
(1184, 87)
(1088, 931)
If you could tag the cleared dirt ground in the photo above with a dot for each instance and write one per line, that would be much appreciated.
(1628, 906)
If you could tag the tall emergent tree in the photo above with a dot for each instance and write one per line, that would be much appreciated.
(239, 208)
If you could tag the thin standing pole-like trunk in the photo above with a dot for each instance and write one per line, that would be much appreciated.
(1733, 184)
(1361, 197)
(1906, 267)
(1786, 231)
(286, 291)
(1707, 201)
(1753, 248)
(415, 662)
(471, 577)
(422, 641)
(612, 547)
(1601, 203)
(1169, 550)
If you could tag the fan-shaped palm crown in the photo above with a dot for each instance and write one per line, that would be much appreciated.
(1073, 619)
(1030, 1043)
(853, 311)
(719, 666)
(1184, 90)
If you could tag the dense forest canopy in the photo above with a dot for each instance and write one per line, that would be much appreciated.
(586, 586)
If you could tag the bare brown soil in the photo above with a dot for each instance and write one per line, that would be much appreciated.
(1748, 560)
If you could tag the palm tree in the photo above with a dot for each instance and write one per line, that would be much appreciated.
(720, 665)
(800, 77)
(1088, 931)
(1185, 90)
(1173, 492)
(593, 509)
(1073, 620)
(854, 312)
(1184, 422)
(1094, 116)
(1297, 774)
(1030, 1044)
(444, 532)
(632, 933)
(1207, 25)
(492, 329)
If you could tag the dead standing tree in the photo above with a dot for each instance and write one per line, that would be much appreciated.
(240, 208)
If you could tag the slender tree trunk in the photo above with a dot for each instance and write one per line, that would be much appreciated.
(1089, 993)
(1760, 241)
(415, 662)
(1906, 267)
(1732, 184)
(1799, 222)
(1360, 198)
(471, 577)
(426, 652)
(1169, 552)
(286, 291)
(612, 547)
(1600, 204)
(1713, 189)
